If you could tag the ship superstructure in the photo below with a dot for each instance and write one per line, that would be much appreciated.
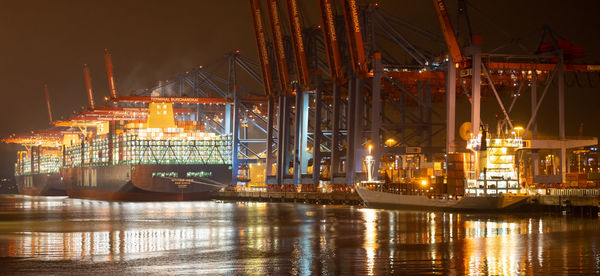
(494, 168)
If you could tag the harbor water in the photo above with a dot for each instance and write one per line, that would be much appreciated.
(50, 235)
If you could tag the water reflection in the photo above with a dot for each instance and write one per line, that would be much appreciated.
(370, 244)
(276, 238)
(102, 246)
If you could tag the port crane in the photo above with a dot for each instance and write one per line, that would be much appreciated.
(478, 64)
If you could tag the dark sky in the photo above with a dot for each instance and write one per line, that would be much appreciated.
(49, 41)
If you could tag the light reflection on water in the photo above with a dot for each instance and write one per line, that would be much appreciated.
(271, 238)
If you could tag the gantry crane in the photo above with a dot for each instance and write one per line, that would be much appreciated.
(355, 39)
(109, 73)
(298, 45)
(88, 87)
(485, 65)
(47, 96)
(448, 31)
(265, 66)
(331, 41)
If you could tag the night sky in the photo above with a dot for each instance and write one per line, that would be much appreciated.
(47, 42)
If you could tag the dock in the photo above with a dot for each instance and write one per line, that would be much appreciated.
(334, 198)
(572, 201)
(575, 201)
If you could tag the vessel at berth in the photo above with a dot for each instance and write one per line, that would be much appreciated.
(37, 172)
(489, 176)
(38, 162)
(158, 159)
(385, 199)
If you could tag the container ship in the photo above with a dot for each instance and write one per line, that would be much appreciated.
(148, 147)
(157, 159)
(484, 179)
(37, 168)
(37, 172)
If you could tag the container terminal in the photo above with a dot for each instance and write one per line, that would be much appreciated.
(352, 110)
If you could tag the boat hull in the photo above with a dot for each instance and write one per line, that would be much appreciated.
(146, 182)
(44, 184)
(377, 199)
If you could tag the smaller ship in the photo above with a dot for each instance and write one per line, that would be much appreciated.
(37, 169)
(384, 199)
(491, 182)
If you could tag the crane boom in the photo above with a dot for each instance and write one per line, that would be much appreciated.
(88, 86)
(447, 30)
(48, 103)
(180, 100)
(331, 42)
(541, 66)
(109, 73)
(282, 69)
(357, 50)
(261, 44)
(298, 44)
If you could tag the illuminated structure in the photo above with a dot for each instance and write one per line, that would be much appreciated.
(140, 147)
(152, 145)
(334, 95)
(495, 169)
(370, 84)
(157, 159)
(37, 167)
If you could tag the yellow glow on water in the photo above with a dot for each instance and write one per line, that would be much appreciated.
(432, 228)
(281, 238)
(107, 245)
(370, 243)
(495, 246)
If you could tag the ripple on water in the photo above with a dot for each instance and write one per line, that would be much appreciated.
(57, 234)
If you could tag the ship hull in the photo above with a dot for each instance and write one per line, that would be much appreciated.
(377, 199)
(44, 184)
(146, 182)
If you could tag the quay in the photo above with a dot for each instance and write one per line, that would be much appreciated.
(334, 198)
(311, 135)
(576, 201)
(572, 201)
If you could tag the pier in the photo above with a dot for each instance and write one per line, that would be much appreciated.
(334, 198)
(569, 201)
(575, 201)
(325, 105)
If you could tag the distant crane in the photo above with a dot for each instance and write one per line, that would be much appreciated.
(109, 73)
(48, 103)
(448, 31)
(357, 50)
(88, 86)
(331, 41)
